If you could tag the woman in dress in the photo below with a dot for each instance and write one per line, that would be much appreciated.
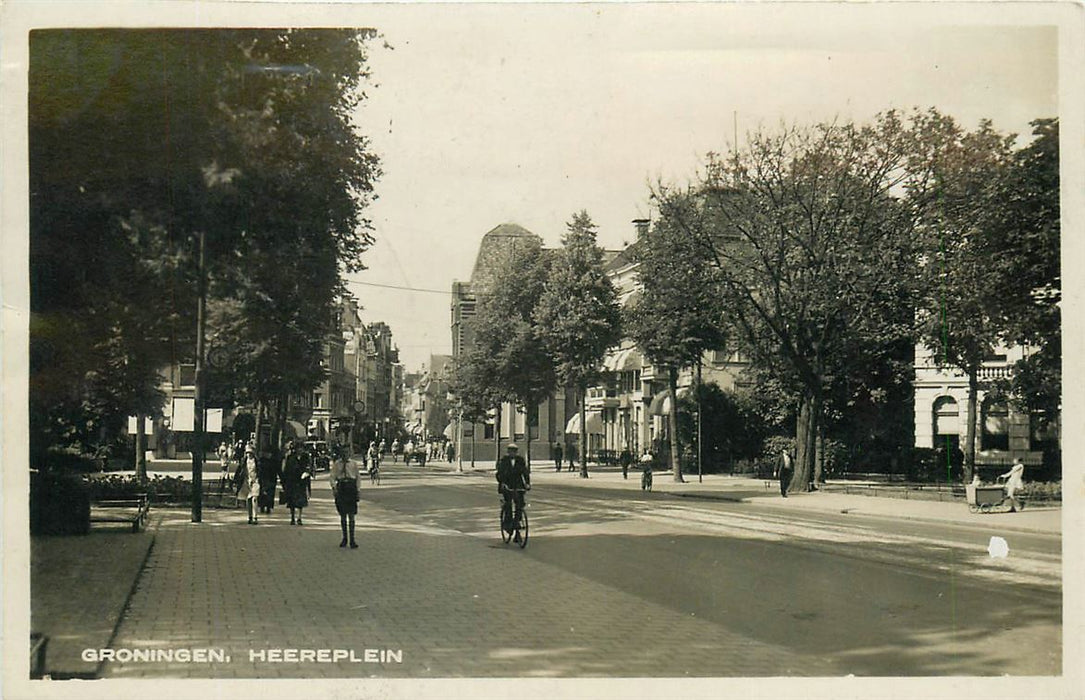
(295, 476)
(248, 481)
(345, 478)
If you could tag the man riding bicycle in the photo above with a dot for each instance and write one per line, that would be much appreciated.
(513, 478)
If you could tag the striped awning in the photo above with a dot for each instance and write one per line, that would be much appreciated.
(661, 402)
(594, 421)
(623, 360)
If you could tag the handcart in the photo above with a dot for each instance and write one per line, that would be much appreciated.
(990, 498)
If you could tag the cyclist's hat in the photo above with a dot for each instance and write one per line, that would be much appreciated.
(513, 446)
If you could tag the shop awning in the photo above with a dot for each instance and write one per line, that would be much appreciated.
(630, 360)
(295, 429)
(661, 402)
(594, 420)
(623, 360)
(450, 431)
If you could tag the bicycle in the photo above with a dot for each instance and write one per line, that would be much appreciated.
(375, 476)
(510, 527)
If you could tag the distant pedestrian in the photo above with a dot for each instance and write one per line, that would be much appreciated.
(646, 471)
(345, 479)
(397, 449)
(247, 482)
(787, 468)
(450, 451)
(295, 487)
(557, 456)
(625, 459)
(381, 448)
(1015, 481)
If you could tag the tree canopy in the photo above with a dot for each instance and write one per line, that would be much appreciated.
(677, 315)
(140, 140)
(578, 313)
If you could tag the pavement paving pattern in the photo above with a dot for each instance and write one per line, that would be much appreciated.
(449, 604)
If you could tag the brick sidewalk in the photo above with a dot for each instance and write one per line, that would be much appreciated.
(438, 596)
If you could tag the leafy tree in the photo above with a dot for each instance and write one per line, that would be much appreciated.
(812, 249)
(677, 315)
(140, 140)
(579, 314)
(504, 329)
(732, 429)
(961, 170)
(1022, 251)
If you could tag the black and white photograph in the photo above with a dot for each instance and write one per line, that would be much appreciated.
(621, 349)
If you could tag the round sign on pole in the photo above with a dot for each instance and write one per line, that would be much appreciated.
(217, 357)
(359, 407)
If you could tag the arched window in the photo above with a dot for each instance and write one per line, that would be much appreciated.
(946, 417)
(996, 425)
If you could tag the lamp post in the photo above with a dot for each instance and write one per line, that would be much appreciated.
(198, 394)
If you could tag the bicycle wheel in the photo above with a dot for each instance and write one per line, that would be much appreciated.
(506, 535)
(523, 528)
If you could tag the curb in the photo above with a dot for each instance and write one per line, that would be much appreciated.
(858, 511)
(131, 593)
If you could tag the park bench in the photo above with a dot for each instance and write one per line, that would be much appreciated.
(122, 510)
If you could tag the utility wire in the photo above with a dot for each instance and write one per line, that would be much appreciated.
(393, 286)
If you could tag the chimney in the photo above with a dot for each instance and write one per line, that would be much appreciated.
(641, 225)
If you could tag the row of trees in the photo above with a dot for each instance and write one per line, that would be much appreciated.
(144, 141)
(823, 254)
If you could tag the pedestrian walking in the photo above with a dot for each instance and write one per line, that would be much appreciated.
(1015, 481)
(373, 456)
(557, 456)
(381, 448)
(345, 479)
(787, 468)
(295, 477)
(269, 470)
(396, 450)
(450, 451)
(625, 459)
(247, 482)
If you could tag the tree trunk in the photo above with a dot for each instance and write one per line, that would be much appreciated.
(805, 441)
(672, 422)
(583, 390)
(497, 436)
(527, 435)
(970, 429)
(141, 449)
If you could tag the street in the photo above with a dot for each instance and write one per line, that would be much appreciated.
(613, 583)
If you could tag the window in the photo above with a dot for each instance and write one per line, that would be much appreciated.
(1042, 432)
(996, 419)
(186, 375)
(488, 431)
(946, 416)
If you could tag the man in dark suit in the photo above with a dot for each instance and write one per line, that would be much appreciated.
(787, 468)
(513, 478)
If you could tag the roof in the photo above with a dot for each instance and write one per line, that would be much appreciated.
(497, 242)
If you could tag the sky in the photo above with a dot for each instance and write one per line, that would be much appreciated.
(484, 115)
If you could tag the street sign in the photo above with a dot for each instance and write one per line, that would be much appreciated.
(359, 407)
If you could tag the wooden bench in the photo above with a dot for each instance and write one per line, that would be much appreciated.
(138, 507)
